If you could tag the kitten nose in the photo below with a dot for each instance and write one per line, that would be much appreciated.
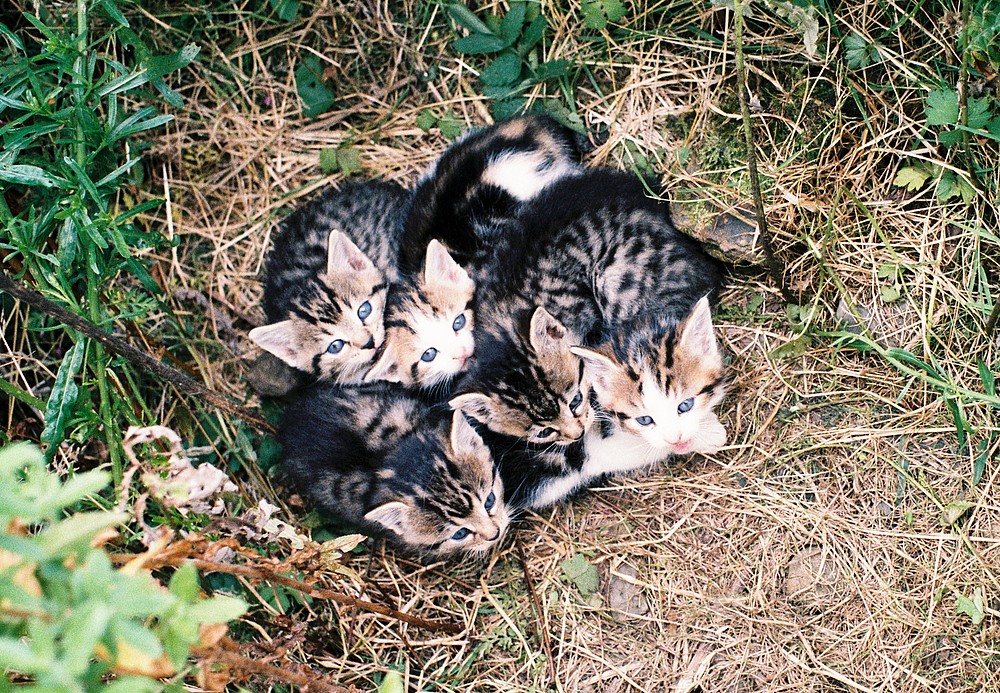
(370, 344)
(497, 535)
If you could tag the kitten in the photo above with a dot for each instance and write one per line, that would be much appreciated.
(327, 279)
(481, 181)
(381, 460)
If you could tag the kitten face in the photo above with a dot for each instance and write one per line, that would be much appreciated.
(661, 381)
(542, 396)
(335, 325)
(460, 506)
(429, 325)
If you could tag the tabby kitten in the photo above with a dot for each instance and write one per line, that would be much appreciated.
(378, 458)
(327, 279)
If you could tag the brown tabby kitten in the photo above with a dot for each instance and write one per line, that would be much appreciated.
(382, 460)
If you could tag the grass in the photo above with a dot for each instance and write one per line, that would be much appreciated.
(844, 447)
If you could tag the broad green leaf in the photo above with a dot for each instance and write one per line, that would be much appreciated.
(81, 632)
(78, 487)
(987, 376)
(858, 52)
(114, 14)
(117, 173)
(911, 178)
(941, 107)
(140, 121)
(349, 160)
(579, 570)
(464, 17)
(532, 35)
(67, 243)
(450, 127)
(954, 511)
(597, 13)
(476, 44)
(316, 96)
(426, 120)
(507, 107)
(287, 10)
(18, 656)
(219, 609)
(552, 69)
(979, 113)
(510, 27)
(974, 608)
(26, 174)
(505, 69)
(887, 270)
(184, 583)
(142, 639)
(62, 399)
(793, 347)
(889, 294)
(328, 160)
(76, 532)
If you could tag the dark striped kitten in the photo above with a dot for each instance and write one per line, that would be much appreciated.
(327, 277)
(381, 460)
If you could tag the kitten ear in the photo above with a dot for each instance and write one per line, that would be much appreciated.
(440, 268)
(280, 339)
(546, 334)
(697, 335)
(475, 404)
(392, 515)
(343, 256)
(600, 367)
(386, 367)
(465, 440)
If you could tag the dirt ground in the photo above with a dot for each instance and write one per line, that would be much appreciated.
(822, 549)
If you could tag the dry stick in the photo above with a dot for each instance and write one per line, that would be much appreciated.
(773, 267)
(250, 666)
(136, 356)
(311, 590)
(541, 631)
(991, 324)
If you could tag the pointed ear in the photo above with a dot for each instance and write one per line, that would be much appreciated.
(387, 367)
(697, 336)
(546, 334)
(392, 515)
(475, 404)
(600, 367)
(440, 268)
(280, 339)
(464, 439)
(343, 256)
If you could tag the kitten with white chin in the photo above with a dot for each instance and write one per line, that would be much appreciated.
(657, 382)
(429, 324)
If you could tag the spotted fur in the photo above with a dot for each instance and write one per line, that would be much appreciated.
(380, 459)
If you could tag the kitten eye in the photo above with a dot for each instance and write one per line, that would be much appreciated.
(574, 403)
(459, 323)
(644, 420)
(546, 432)
(490, 501)
(364, 310)
(429, 355)
(461, 534)
(685, 405)
(335, 347)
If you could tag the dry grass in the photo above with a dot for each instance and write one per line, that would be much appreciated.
(807, 556)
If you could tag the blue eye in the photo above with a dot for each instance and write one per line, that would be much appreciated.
(429, 355)
(335, 347)
(364, 310)
(459, 323)
(574, 403)
(685, 405)
(490, 501)
(461, 534)
(546, 432)
(644, 420)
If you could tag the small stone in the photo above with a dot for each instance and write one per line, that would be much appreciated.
(624, 595)
(849, 320)
(884, 509)
(812, 577)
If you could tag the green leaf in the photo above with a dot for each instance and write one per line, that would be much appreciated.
(507, 107)
(476, 44)
(988, 378)
(510, 27)
(287, 10)
(426, 120)
(954, 511)
(584, 575)
(859, 52)
(316, 97)
(81, 632)
(26, 174)
(974, 608)
(114, 14)
(911, 178)
(18, 656)
(979, 114)
(532, 35)
(328, 160)
(887, 270)
(551, 69)
(464, 17)
(217, 610)
(76, 532)
(392, 683)
(941, 107)
(450, 127)
(952, 185)
(78, 487)
(889, 294)
(505, 69)
(184, 583)
(597, 13)
(349, 160)
(792, 348)
(62, 399)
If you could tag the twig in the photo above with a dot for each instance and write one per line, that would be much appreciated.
(250, 666)
(306, 588)
(541, 631)
(991, 322)
(773, 268)
(137, 357)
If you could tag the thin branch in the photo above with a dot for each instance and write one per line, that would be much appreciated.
(540, 629)
(775, 270)
(137, 357)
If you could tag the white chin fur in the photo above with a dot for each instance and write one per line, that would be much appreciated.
(710, 437)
